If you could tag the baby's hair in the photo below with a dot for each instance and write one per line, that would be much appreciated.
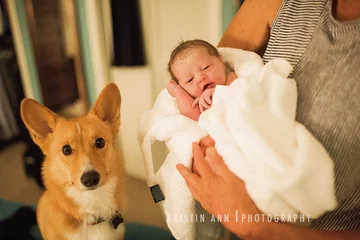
(182, 49)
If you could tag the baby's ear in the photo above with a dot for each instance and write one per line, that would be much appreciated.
(39, 120)
(107, 107)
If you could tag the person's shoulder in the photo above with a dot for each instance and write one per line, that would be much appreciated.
(250, 27)
(268, 9)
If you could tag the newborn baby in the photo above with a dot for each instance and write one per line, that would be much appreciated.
(196, 67)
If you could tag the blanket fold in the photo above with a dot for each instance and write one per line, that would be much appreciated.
(285, 169)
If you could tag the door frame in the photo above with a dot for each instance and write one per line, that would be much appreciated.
(24, 49)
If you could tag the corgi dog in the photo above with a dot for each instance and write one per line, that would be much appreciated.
(82, 171)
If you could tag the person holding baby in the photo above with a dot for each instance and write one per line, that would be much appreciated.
(321, 40)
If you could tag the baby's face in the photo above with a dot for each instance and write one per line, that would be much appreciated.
(198, 70)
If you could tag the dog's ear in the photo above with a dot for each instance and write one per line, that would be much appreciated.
(39, 120)
(107, 107)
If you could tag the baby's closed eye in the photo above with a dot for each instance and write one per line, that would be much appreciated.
(206, 67)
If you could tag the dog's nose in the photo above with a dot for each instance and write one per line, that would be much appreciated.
(90, 179)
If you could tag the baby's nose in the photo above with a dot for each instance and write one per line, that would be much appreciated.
(201, 78)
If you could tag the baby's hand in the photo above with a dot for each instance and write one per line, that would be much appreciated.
(205, 100)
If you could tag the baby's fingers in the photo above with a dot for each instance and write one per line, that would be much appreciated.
(196, 101)
(201, 107)
(208, 99)
(204, 104)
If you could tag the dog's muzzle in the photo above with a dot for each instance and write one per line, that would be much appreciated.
(90, 179)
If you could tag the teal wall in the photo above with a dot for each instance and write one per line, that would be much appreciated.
(29, 53)
(80, 9)
(229, 11)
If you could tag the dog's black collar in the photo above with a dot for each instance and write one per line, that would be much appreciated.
(115, 221)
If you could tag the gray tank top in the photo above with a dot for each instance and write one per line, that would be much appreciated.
(325, 55)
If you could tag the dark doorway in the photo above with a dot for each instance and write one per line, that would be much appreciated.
(54, 36)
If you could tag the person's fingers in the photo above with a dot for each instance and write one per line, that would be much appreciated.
(190, 178)
(194, 169)
(206, 142)
(195, 193)
(201, 165)
(216, 162)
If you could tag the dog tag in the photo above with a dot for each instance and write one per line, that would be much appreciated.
(116, 221)
(157, 193)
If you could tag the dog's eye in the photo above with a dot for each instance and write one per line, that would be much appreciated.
(66, 149)
(99, 143)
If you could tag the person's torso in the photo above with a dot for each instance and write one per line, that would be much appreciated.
(325, 55)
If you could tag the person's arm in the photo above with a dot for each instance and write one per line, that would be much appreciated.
(184, 101)
(250, 27)
(220, 191)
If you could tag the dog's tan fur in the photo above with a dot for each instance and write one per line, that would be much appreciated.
(66, 207)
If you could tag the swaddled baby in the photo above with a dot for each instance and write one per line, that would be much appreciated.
(250, 113)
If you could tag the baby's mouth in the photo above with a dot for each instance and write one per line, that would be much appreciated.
(206, 86)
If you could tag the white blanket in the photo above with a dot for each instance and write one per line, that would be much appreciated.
(285, 169)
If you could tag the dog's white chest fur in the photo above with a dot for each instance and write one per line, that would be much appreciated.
(100, 231)
(94, 204)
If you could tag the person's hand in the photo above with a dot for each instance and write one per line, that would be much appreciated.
(171, 87)
(204, 143)
(205, 100)
(218, 190)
